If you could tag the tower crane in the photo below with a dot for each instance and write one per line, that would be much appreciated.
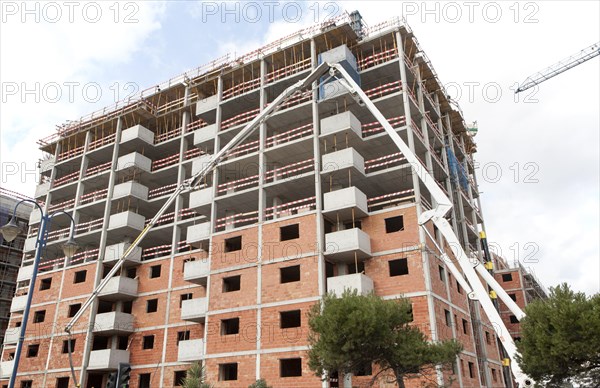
(560, 67)
(473, 270)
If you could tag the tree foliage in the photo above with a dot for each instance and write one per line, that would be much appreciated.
(194, 377)
(560, 338)
(260, 383)
(354, 331)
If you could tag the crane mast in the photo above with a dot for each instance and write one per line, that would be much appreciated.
(472, 269)
(560, 67)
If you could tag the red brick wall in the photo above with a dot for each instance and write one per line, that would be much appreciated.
(377, 269)
(308, 286)
(306, 243)
(374, 226)
(147, 284)
(246, 371)
(196, 332)
(175, 301)
(71, 289)
(245, 296)
(141, 356)
(272, 336)
(244, 340)
(247, 255)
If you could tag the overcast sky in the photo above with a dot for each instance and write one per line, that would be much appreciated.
(538, 154)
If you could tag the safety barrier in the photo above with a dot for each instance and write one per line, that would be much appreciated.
(287, 71)
(102, 141)
(237, 220)
(291, 208)
(93, 196)
(433, 126)
(292, 134)
(375, 127)
(170, 217)
(239, 119)
(61, 205)
(164, 190)
(69, 154)
(384, 162)
(376, 59)
(72, 177)
(290, 170)
(384, 89)
(241, 88)
(391, 199)
(159, 138)
(244, 149)
(98, 169)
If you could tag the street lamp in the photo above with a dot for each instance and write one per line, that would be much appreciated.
(10, 232)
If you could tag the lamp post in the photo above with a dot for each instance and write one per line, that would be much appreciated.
(10, 232)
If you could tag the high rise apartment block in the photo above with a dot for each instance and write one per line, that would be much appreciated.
(10, 254)
(316, 200)
(523, 287)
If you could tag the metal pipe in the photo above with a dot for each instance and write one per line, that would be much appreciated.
(40, 244)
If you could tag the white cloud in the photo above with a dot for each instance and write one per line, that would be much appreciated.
(559, 133)
(54, 70)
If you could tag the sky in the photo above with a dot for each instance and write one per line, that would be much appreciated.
(538, 151)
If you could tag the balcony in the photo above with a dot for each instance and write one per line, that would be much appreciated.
(190, 350)
(119, 288)
(345, 245)
(25, 273)
(343, 123)
(134, 162)
(345, 204)
(114, 322)
(29, 244)
(6, 368)
(206, 104)
(200, 162)
(107, 359)
(126, 222)
(357, 281)
(130, 189)
(343, 56)
(113, 253)
(35, 217)
(201, 200)
(342, 161)
(204, 137)
(11, 335)
(18, 304)
(194, 309)
(196, 271)
(198, 234)
(136, 137)
(47, 164)
(42, 189)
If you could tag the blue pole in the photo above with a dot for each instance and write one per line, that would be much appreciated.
(41, 243)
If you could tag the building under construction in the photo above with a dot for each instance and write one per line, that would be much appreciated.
(522, 286)
(10, 254)
(317, 200)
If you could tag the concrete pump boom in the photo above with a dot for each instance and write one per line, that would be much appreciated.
(470, 268)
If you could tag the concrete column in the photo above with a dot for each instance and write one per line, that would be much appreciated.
(102, 245)
(62, 278)
(417, 191)
(213, 209)
(320, 243)
(420, 98)
(176, 231)
(262, 198)
(276, 202)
